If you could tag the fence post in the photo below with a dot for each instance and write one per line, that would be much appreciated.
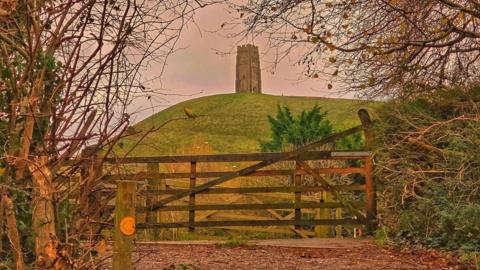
(191, 202)
(297, 181)
(124, 225)
(370, 189)
(371, 197)
(153, 216)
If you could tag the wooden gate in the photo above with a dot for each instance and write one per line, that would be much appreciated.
(162, 197)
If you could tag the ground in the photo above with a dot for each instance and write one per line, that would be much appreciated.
(287, 254)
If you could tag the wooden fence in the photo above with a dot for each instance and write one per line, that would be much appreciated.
(357, 212)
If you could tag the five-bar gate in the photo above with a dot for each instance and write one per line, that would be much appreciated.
(360, 212)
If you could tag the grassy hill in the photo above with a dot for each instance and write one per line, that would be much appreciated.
(232, 123)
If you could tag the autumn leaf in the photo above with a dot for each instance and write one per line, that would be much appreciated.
(331, 47)
(308, 29)
(102, 247)
(50, 250)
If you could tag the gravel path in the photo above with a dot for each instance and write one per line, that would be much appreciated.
(326, 255)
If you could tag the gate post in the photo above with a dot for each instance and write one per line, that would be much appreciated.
(191, 202)
(124, 225)
(371, 197)
(370, 189)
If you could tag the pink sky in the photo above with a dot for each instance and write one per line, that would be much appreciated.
(198, 69)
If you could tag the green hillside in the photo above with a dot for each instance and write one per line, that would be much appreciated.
(232, 123)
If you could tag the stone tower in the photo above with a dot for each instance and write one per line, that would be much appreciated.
(248, 79)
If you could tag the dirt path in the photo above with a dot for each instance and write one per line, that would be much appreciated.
(286, 254)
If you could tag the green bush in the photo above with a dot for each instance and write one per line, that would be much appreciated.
(294, 131)
(428, 165)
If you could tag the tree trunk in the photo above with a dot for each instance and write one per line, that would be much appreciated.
(29, 125)
(2, 223)
(12, 231)
(43, 216)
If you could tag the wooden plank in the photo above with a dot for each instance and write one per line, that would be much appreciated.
(284, 196)
(154, 217)
(311, 155)
(297, 181)
(191, 212)
(268, 229)
(207, 214)
(280, 217)
(264, 189)
(154, 176)
(248, 206)
(237, 216)
(260, 165)
(323, 213)
(349, 154)
(338, 228)
(251, 223)
(123, 244)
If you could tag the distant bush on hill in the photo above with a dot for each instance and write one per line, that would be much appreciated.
(294, 131)
(291, 131)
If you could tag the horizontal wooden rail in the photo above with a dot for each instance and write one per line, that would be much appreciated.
(259, 190)
(268, 229)
(248, 206)
(153, 176)
(251, 223)
(311, 155)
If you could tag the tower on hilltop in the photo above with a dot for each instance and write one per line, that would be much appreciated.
(248, 76)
